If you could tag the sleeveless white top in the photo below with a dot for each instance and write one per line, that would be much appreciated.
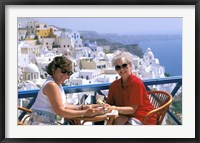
(42, 102)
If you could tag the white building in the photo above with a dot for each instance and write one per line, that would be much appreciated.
(148, 66)
(89, 61)
(21, 34)
(76, 39)
(44, 60)
(27, 53)
(63, 42)
(77, 81)
(31, 72)
(48, 42)
(89, 74)
(26, 28)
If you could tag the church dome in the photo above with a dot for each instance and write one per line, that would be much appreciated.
(31, 68)
(49, 55)
(149, 54)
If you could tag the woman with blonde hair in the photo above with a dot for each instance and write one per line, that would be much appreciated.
(128, 94)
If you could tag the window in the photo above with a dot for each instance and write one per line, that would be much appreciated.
(28, 76)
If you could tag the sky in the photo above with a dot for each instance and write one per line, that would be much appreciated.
(119, 25)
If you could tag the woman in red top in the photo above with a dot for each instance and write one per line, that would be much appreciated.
(128, 94)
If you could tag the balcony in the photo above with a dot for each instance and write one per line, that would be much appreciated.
(173, 116)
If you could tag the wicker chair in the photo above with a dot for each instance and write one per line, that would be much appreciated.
(161, 101)
(28, 111)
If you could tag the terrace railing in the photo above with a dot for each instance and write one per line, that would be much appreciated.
(175, 83)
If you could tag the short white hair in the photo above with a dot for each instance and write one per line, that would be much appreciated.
(118, 55)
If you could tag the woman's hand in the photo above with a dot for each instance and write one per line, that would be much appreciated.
(107, 108)
(85, 107)
(90, 112)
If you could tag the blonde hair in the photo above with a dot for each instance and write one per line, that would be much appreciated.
(118, 55)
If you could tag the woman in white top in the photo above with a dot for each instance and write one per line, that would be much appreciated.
(51, 100)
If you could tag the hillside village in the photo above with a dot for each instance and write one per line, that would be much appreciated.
(39, 43)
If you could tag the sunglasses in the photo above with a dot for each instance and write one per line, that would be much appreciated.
(123, 66)
(64, 71)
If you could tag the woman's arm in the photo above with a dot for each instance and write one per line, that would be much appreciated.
(125, 110)
(52, 91)
(73, 107)
(80, 107)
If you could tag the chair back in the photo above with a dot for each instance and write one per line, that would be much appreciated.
(161, 101)
(27, 111)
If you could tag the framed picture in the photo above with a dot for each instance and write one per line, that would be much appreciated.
(187, 10)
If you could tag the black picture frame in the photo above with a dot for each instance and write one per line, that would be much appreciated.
(3, 5)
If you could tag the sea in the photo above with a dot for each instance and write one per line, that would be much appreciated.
(169, 53)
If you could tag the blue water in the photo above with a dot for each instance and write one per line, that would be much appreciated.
(169, 53)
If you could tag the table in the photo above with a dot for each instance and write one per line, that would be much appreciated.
(81, 120)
